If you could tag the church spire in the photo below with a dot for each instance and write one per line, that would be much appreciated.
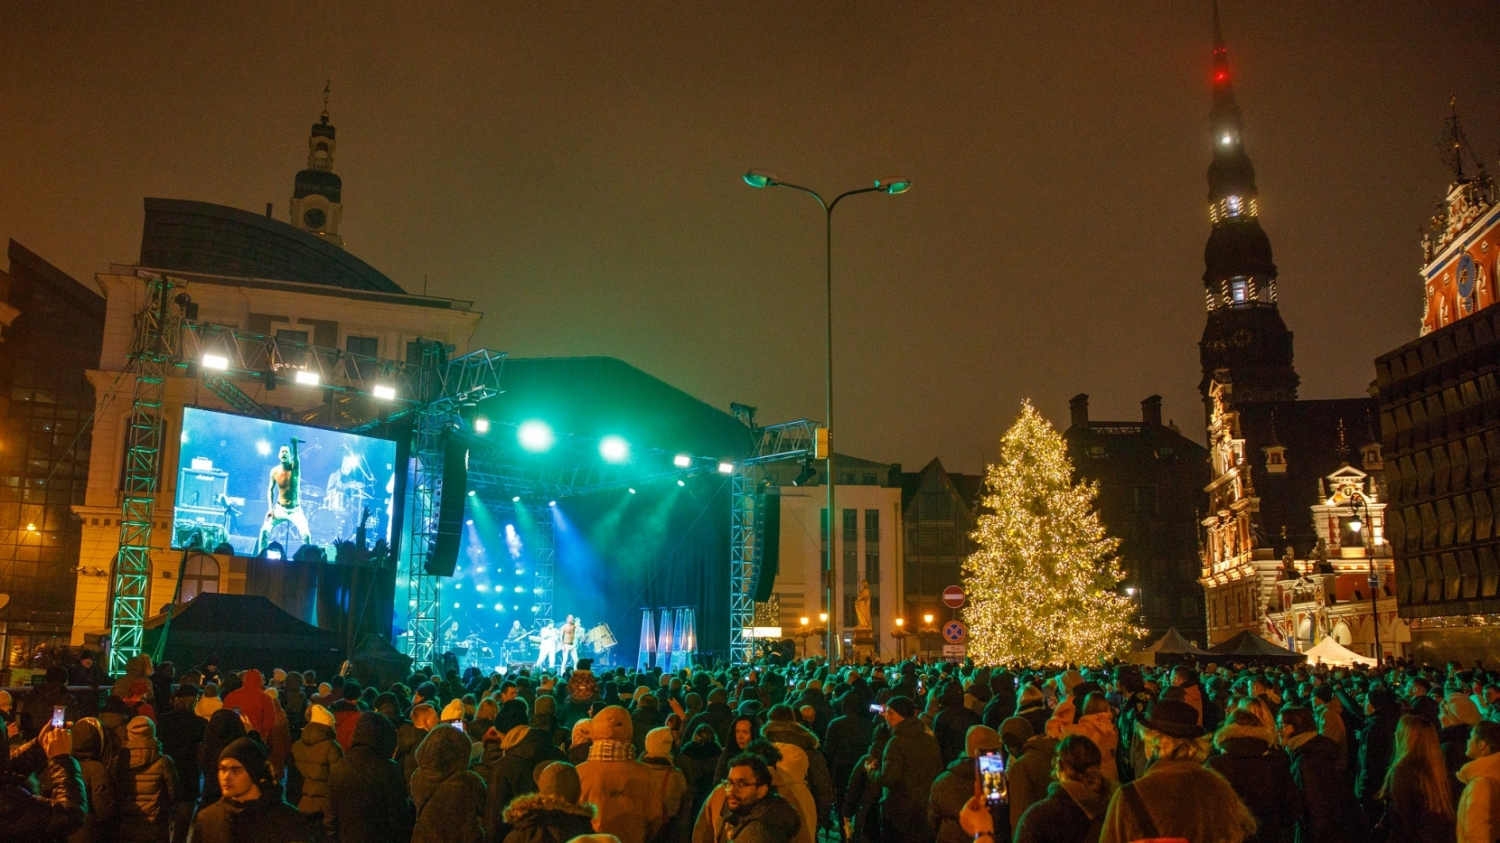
(1245, 334)
(316, 194)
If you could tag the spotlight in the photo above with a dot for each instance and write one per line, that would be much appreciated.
(384, 393)
(535, 436)
(614, 449)
(469, 523)
(471, 493)
(807, 475)
(520, 590)
(481, 424)
(552, 503)
(499, 607)
(681, 483)
(682, 461)
(632, 491)
(216, 362)
(726, 468)
(516, 499)
(306, 378)
(274, 550)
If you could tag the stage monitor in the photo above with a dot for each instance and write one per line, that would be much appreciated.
(260, 485)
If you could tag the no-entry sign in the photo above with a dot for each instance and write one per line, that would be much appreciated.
(953, 597)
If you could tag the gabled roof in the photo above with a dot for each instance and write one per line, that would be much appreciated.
(1247, 645)
(26, 263)
(218, 240)
(968, 488)
(1319, 437)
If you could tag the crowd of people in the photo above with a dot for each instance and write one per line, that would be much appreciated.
(794, 752)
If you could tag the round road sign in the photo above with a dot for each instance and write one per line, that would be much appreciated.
(954, 632)
(953, 597)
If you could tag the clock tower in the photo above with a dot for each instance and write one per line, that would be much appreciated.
(1245, 334)
(315, 195)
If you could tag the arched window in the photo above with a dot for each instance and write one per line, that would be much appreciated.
(200, 576)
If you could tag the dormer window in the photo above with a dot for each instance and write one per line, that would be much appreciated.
(1239, 290)
(1275, 459)
(1233, 205)
(1370, 456)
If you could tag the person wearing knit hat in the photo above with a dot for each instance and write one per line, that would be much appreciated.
(251, 799)
(676, 807)
(1029, 772)
(624, 790)
(449, 798)
(147, 790)
(908, 766)
(955, 786)
(313, 757)
(1032, 705)
(553, 812)
(452, 712)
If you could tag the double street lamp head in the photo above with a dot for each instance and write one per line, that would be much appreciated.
(893, 185)
(761, 178)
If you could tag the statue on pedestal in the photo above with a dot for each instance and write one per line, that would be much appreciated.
(862, 605)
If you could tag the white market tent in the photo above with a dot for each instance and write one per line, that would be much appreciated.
(1329, 651)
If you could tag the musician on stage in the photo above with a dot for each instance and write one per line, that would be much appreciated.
(515, 642)
(284, 497)
(569, 635)
(548, 637)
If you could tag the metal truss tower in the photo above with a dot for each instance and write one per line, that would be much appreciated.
(546, 559)
(153, 353)
(787, 441)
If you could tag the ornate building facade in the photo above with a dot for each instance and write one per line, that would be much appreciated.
(1293, 535)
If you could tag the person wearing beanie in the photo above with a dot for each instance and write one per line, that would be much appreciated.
(578, 742)
(251, 807)
(97, 752)
(181, 731)
(953, 722)
(223, 728)
(313, 756)
(523, 750)
(673, 785)
(367, 797)
(147, 789)
(448, 797)
(554, 813)
(624, 790)
(1032, 705)
(1029, 768)
(953, 789)
(910, 764)
(250, 698)
(209, 702)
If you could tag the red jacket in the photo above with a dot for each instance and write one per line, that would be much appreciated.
(250, 698)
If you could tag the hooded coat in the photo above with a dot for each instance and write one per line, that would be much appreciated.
(793, 788)
(367, 799)
(952, 724)
(250, 698)
(624, 790)
(819, 780)
(1260, 772)
(912, 761)
(717, 715)
(1330, 813)
(697, 761)
(542, 818)
(1479, 804)
(98, 759)
(950, 792)
(522, 748)
(1183, 799)
(313, 757)
(448, 797)
(1071, 813)
(148, 790)
(1030, 775)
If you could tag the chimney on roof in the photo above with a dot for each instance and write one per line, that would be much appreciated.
(1080, 407)
(1151, 411)
(268, 210)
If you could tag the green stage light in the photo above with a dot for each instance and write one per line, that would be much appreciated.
(535, 436)
(614, 449)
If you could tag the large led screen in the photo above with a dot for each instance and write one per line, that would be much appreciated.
(251, 482)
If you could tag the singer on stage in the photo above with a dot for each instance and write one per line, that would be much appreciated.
(284, 497)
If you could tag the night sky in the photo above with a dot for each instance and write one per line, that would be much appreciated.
(574, 169)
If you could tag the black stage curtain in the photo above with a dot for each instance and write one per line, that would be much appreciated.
(662, 548)
(350, 600)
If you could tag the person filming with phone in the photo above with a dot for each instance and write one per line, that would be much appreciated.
(58, 807)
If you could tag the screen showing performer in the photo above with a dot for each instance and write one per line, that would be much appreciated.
(250, 482)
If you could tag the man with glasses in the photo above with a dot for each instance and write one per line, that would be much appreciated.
(755, 814)
(1330, 813)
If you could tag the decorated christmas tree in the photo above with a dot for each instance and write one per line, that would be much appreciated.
(1042, 583)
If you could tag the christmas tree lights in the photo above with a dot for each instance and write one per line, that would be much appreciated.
(1042, 583)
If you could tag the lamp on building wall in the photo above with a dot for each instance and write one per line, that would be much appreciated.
(1356, 503)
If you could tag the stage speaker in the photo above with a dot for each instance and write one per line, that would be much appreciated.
(444, 556)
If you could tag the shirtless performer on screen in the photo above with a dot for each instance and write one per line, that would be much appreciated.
(284, 497)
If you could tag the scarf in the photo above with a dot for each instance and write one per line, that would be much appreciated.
(611, 751)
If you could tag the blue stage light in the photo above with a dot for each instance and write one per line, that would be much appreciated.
(535, 436)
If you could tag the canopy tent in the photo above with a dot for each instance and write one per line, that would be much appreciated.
(1171, 647)
(376, 662)
(1249, 647)
(244, 631)
(1331, 652)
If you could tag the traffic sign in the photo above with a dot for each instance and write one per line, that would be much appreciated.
(953, 597)
(955, 651)
(954, 632)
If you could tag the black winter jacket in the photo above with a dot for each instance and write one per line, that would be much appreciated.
(57, 809)
(950, 792)
(511, 776)
(367, 799)
(181, 731)
(848, 740)
(269, 819)
(1261, 774)
(1330, 813)
(951, 727)
(910, 764)
(771, 820)
(1071, 813)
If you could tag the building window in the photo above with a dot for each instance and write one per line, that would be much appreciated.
(872, 548)
(363, 346)
(1239, 290)
(1143, 499)
(869, 480)
(200, 576)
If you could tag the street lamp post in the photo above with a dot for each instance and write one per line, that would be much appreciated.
(892, 186)
(1356, 503)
